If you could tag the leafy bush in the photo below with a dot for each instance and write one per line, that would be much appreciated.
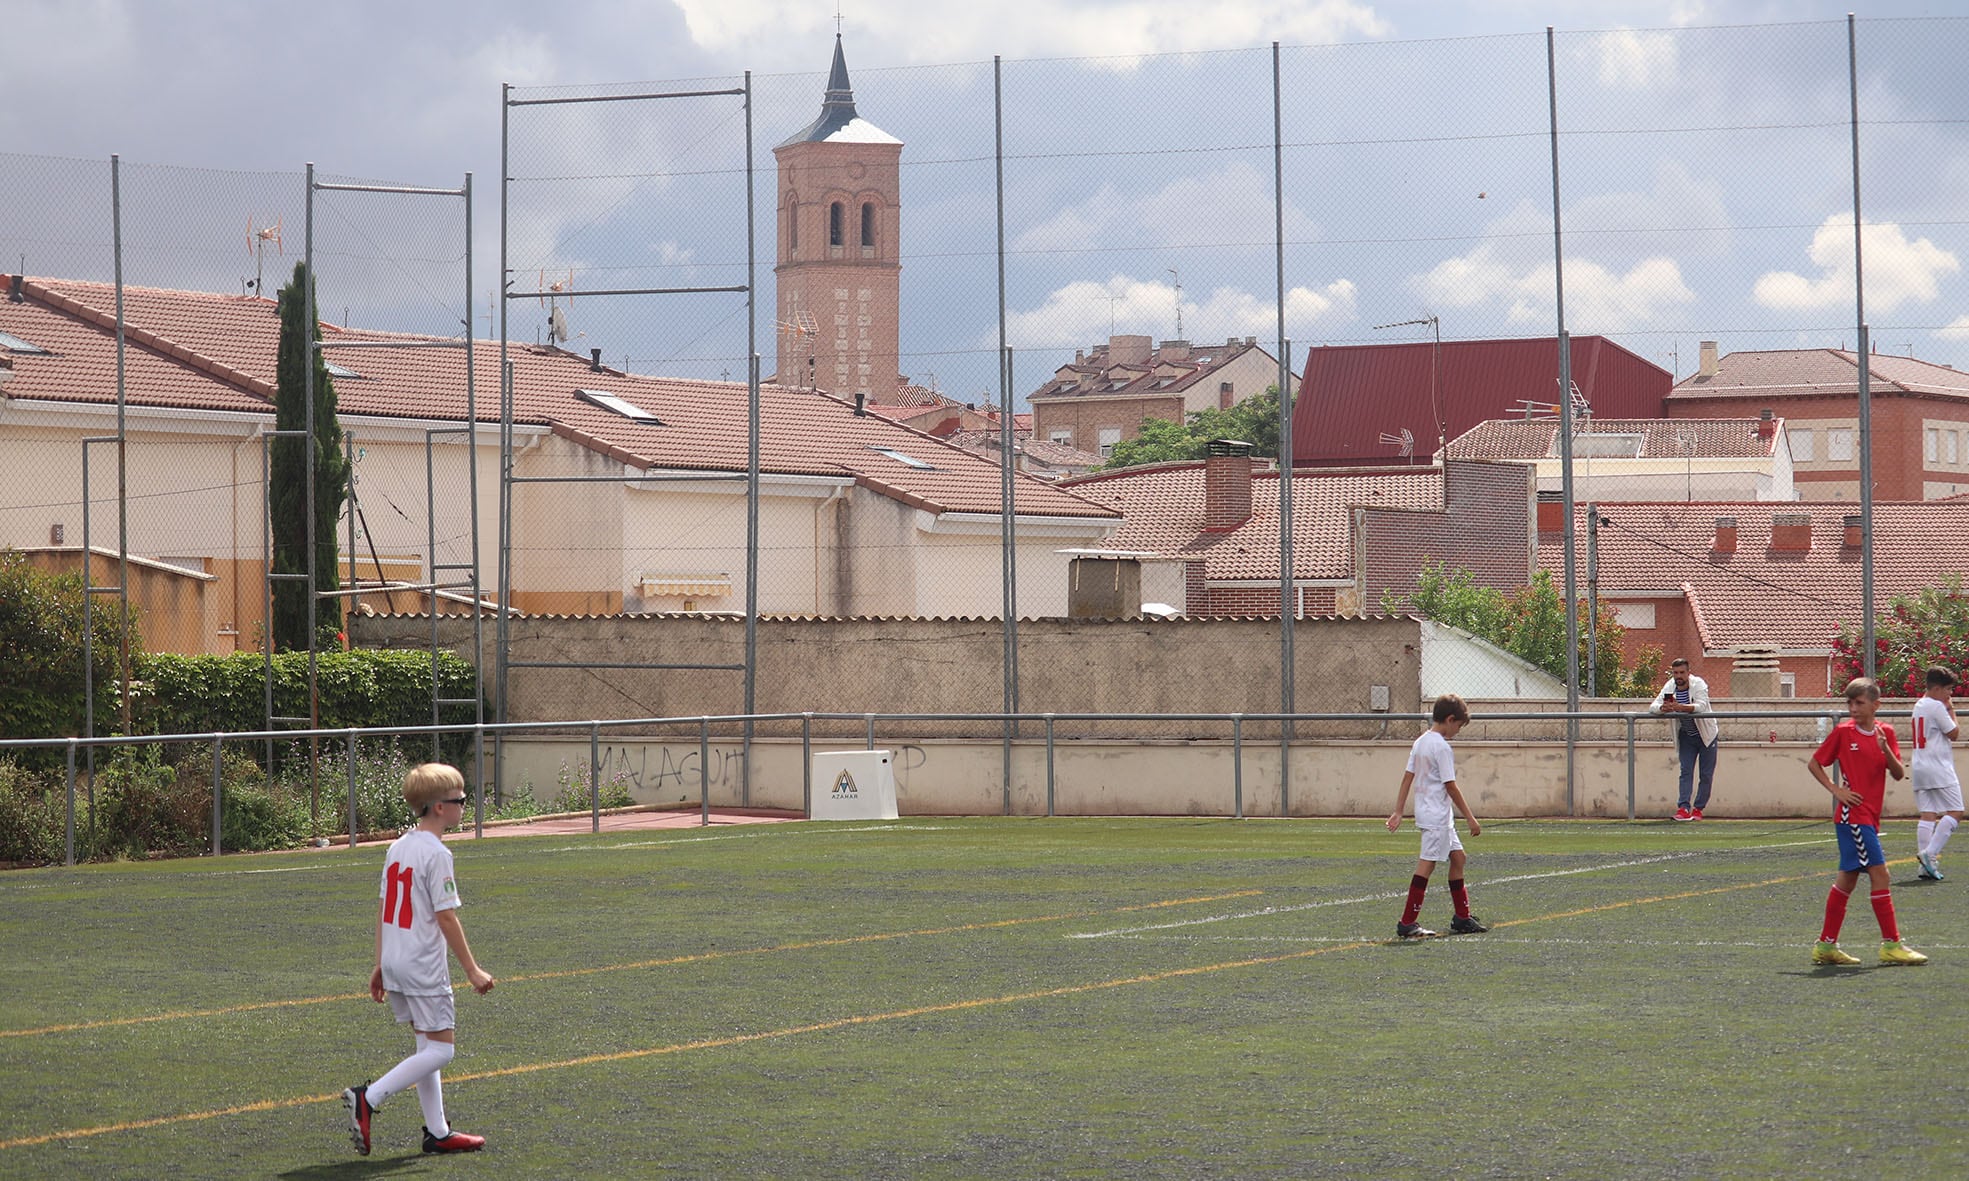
(1913, 633)
(379, 771)
(1529, 623)
(254, 814)
(572, 795)
(33, 816)
(41, 651)
(364, 688)
(143, 807)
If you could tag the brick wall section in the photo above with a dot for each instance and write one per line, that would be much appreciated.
(1085, 416)
(850, 294)
(1900, 467)
(1486, 526)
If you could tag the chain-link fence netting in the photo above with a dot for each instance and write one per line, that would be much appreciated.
(1158, 212)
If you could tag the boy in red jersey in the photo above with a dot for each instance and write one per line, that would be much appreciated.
(1866, 751)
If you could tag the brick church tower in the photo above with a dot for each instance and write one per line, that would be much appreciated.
(839, 274)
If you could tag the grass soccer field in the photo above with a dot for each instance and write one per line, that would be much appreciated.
(1005, 998)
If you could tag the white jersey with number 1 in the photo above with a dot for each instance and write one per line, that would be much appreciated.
(1933, 764)
(1433, 765)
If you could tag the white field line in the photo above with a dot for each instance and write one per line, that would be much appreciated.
(1920, 944)
(757, 832)
(1385, 895)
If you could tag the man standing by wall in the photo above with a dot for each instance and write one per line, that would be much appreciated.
(1695, 735)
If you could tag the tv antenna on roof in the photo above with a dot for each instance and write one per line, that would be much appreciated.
(802, 325)
(550, 295)
(1179, 303)
(257, 238)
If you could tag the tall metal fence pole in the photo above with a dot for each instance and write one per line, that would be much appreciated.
(68, 830)
(218, 786)
(751, 461)
(1288, 612)
(595, 776)
(1007, 513)
(1565, 429)
(1865, 367)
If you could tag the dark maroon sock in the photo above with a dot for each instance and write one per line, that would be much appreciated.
(1458, 898)
(1417, 887)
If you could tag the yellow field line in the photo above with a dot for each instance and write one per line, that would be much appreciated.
(894, 1015)
(698, 957)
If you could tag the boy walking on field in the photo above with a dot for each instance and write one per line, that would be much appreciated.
(1866, 751)
(1432, 774)
(1937, 792)
(418, 921)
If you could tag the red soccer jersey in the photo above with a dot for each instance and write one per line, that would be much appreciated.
(1863, 764)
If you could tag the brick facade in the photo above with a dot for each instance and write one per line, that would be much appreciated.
(1487, 526)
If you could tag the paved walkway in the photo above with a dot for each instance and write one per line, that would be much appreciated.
(631, 820)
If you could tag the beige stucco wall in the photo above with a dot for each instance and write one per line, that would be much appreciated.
(1501, 780)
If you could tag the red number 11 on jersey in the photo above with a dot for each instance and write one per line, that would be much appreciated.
(395, 904)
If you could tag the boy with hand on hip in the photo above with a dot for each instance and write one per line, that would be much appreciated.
(1866, 751)
(1937, 791)
(1432, 774)
(417, 923)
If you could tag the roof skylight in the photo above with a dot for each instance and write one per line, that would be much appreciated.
(902, 458)
(626, 409)
(15, 344)
(335, 370)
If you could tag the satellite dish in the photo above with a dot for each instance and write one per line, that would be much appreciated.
(557, 325)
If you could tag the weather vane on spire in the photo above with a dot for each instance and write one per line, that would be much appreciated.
(837, 18)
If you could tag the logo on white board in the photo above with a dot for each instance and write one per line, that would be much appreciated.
(844, 787)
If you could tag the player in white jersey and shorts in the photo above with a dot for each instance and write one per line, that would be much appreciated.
(1937, 790)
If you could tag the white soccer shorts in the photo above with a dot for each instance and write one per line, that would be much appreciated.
(425, 1014)
(1439, 843)
(1938, 799)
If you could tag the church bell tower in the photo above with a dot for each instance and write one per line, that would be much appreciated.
(839, 274)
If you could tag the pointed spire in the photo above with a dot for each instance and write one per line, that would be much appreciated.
(837, 109)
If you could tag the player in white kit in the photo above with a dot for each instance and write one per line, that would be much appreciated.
(1937, 791)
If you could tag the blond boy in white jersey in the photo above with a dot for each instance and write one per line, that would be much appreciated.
(1937, 791)
(416, 924)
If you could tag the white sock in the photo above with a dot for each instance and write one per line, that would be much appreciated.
(430, 1096)
(430, 1058)
(1944, 829)
(1924, 832)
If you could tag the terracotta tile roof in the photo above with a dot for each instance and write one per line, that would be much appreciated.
(1785, 373)
(218, 352)
(1713, 438)
(1042, 450)
(1757, 596)
(1163, 509)
(1164, 372)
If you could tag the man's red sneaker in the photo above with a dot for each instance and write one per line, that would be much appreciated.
(455, 1142)
(1695, 813)
(1684, 814)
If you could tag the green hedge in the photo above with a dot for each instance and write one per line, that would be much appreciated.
(363, 688)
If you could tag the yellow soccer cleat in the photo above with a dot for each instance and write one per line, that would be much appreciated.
(1896, 952)
(1828, 955)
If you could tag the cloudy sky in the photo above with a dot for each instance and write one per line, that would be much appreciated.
(1705, 164)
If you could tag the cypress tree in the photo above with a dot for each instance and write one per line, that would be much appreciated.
(287, 497)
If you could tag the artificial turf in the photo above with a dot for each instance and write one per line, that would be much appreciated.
(1005, 998)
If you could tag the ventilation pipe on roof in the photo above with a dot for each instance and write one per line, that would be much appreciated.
(861, 405)
(595, 360)
(1706, 367)
(14, 292)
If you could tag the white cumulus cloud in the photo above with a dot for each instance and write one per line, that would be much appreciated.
(1897, 270)
(1956, 329)
(1086, 312)
(1633, 59)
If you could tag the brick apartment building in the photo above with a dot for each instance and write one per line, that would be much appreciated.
(1105, 393)
(1920, 413)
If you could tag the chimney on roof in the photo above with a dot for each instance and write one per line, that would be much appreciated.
(1767, 423)
(595, 360)
(1791, 533)
(14, 290)
(1226, 485)
(1129, 350)
(1175, 350)
(1706, 367)
(1726, 536)
(861, 405)
(1251, 341)
(1855, 532)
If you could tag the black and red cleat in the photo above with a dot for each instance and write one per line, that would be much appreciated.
(455, 1142)
(356, 1099)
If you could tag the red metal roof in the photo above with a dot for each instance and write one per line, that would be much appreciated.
(1353, 395)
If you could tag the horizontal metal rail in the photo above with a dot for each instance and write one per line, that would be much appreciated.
(618, 98)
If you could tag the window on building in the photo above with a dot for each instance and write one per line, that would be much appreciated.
(902, 457)
(622, 406)
(1061, 435)
(1787, 684)
(793, 225)
(1931, 444)
(1839, 444)
(1949, 447)
(1109, 437)
(15, 344)
(1801, 445)
(1634, 616)
(868, 223)
(834, 224)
